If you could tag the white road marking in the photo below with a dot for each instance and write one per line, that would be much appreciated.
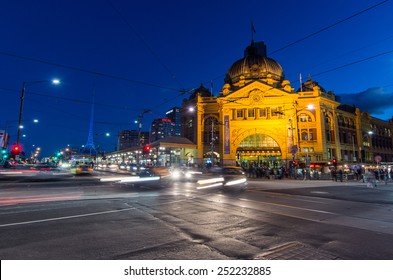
(67, 217)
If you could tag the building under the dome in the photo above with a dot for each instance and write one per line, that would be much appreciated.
(259, 119)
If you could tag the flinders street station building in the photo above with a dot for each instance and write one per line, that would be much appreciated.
(260, 119)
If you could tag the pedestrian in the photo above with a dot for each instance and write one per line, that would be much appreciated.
(385, 175)
(340, 172)
(334, 177)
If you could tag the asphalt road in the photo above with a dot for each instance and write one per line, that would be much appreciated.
(83, 218)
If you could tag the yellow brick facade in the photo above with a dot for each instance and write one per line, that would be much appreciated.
(259, 118)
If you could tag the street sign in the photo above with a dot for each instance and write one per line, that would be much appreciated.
(378, 159)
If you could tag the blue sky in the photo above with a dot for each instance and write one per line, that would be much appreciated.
(137, 55)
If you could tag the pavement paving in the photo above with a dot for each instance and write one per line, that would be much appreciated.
(291, 183)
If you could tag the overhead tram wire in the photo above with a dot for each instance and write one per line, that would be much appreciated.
(352, 63)
(324, 29)
(80, 101)
(177, 90)
(339, 57)
(328, 27)
(86, 71)
(173, 76)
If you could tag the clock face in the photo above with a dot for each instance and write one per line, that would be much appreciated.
(256, 97)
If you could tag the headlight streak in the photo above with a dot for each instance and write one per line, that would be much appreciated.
(236, 182)
(130, 179)
(139, 179)
(209, 186)
(210, 183)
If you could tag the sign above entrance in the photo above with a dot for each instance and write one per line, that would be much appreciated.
(378, 159)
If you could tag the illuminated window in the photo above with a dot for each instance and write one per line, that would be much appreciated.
(251, 113)
(262, 113)
(304, 118)
(304, 134)
(239, 113)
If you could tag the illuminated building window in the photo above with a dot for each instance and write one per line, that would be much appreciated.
(309, 134)
(304, 118)
(251, 113)
(304, 134)
(239, 113)
(262, 113)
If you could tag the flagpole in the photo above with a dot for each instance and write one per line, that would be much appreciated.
(252, 31)
(301, 83)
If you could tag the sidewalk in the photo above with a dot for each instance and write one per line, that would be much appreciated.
(292, 183)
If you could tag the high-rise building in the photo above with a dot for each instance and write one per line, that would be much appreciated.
(175, 116)
(161, 128)
(127, 139)
(130, 138)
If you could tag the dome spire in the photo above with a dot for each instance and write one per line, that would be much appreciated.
(252, 32)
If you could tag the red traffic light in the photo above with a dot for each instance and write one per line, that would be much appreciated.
(16, 150)
(146, 149)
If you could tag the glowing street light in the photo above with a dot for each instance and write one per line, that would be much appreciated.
(22, 100)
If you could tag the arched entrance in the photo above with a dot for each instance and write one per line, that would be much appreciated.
(259, 150)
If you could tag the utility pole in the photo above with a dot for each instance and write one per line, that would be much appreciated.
(139, 144)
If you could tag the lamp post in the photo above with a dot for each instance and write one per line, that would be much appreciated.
(22, 100)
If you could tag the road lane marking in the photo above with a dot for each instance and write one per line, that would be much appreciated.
(19, 200)
(67, 217)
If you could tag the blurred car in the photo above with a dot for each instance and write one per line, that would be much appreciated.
(227, 178)
(112, 167)
(135, 169)
(83, 169)
(185, 174)
(149, 177)
(47, 166)
(123, 166)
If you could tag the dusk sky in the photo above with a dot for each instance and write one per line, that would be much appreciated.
(134, 55)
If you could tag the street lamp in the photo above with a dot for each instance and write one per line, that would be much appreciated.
(7, 126)
(22, 100)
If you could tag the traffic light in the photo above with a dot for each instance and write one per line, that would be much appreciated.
(16, 150)
(146, 149)
(294, 163)
(4, 153)
(334, 162)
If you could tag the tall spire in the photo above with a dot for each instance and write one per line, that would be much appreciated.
(90, 138)
(252, 32)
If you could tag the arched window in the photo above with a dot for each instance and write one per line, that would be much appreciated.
(258, 141)
(304, 134)
(304, 118)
